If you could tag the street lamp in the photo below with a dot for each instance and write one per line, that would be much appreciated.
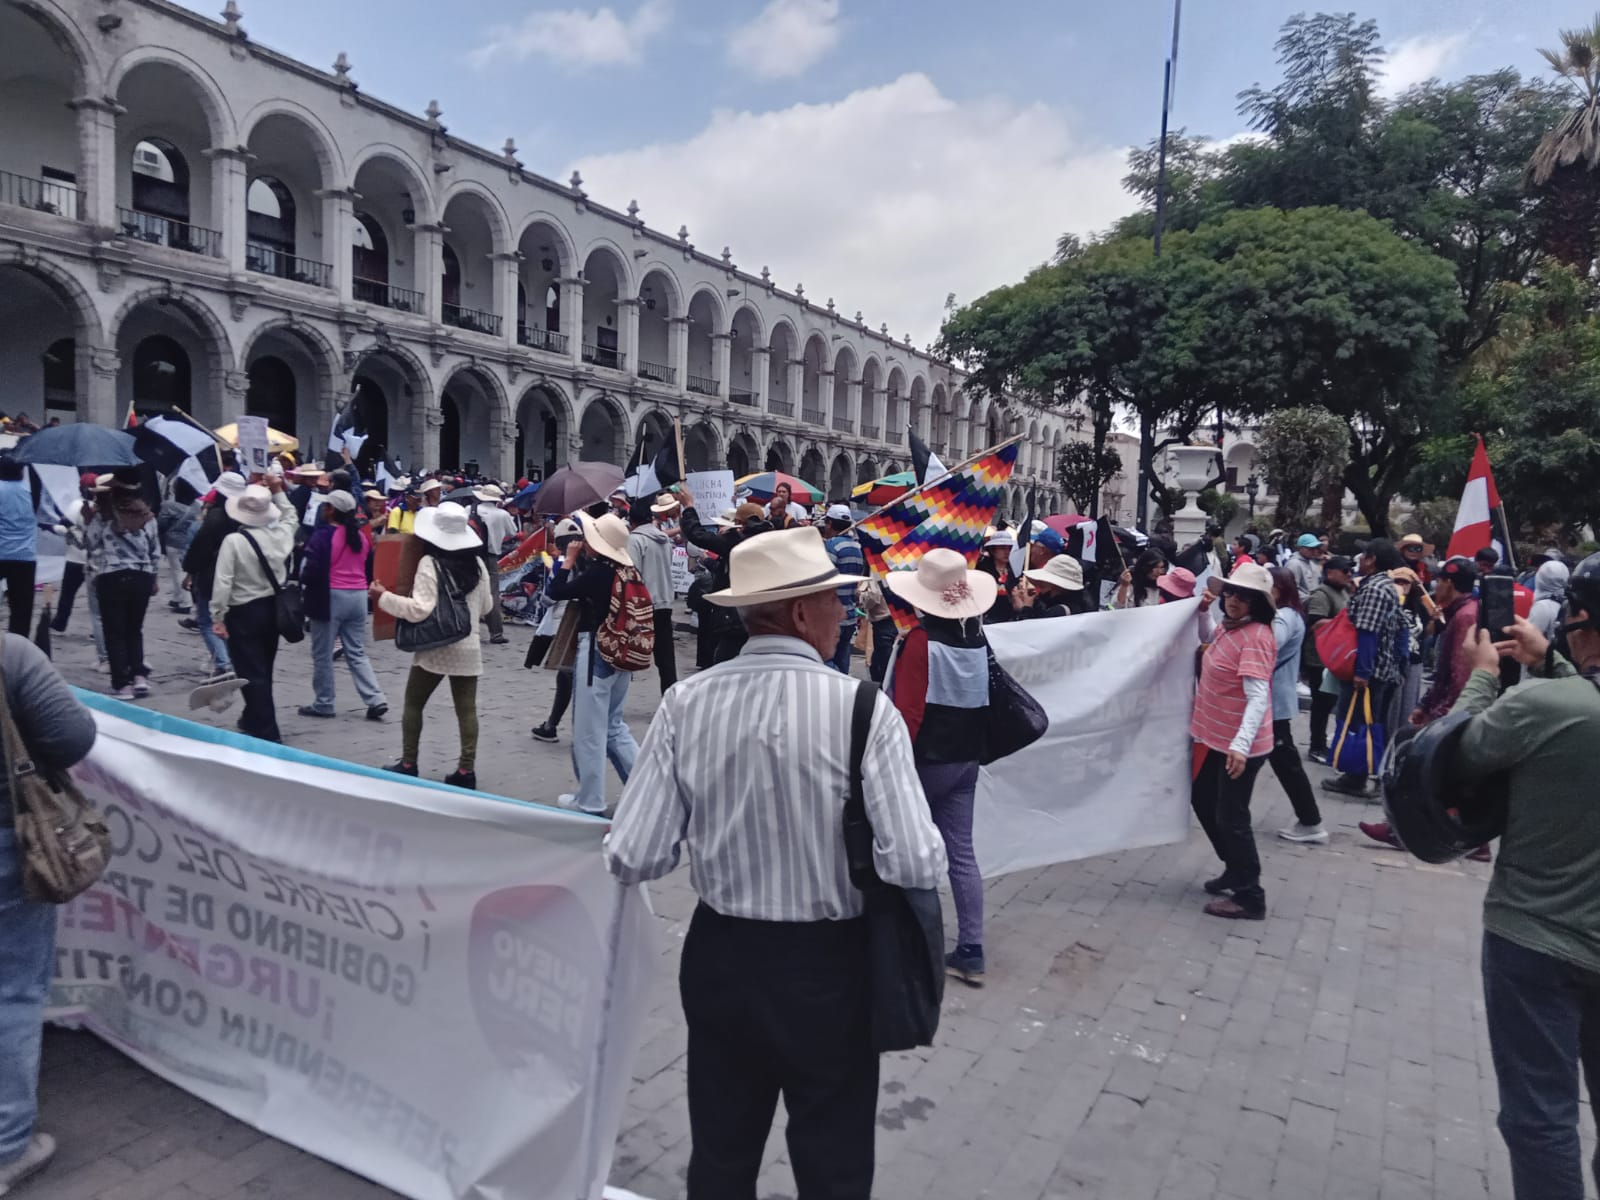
(1252, 488)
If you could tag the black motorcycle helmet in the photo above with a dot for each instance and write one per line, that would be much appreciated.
(1435, 810)
(1583, 595)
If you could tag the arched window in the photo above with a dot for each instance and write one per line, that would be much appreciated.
(270, 218)
(61, 376)
(272, 393)
(160, 180)
(160, 375)
(369, 250)
(552, 308)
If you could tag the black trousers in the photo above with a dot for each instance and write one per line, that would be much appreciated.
(18, 575)
(1322, 704)
(729, 643)
(71, 581)
(124, 597)
(666, 652)
(1223, 808)
(777, 1008)
(1291, 773)
(253, 647)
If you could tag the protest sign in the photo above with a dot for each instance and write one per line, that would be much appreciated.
(253, 453)
(712, 492)
(438, 989)
(1112, 771)
(681, 576)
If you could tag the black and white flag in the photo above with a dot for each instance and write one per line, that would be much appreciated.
(181, 450)
(924, 462)
(648, 478)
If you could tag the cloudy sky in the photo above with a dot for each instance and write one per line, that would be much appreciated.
(885, 153)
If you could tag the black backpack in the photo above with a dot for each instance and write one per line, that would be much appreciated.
(291, 604)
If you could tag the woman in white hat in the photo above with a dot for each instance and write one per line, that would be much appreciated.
(1232, 732)
(940, 684)
(334, 574)
(996, 562)
(251, 566)
(1053, 590)
(451, 551)
(599, 732)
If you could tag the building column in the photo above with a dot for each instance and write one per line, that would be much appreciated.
(97, 404)
(852, 403)
(507, 268)
(230, 186)
(97, 159)
(825, 397)
(722, 362)
(572, 317)
(235, 396)
(427, 449)
(678, 351)
(628, 334)
(338, 221)
(760, 369)
(795, 384)
(504, 450)
(427, 277)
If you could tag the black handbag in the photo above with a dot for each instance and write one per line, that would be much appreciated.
(1014, 720)
(905, 927)
(291, 603)
(449, 622)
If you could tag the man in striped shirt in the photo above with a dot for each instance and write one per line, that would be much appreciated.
(749, 763)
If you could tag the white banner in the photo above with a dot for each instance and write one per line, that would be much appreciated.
(712, 492)
(1112, 771)
(440, 990)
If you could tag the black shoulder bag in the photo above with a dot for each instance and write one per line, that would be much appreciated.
(905, 928)
(1014, 720)
(449, 622)
(291, 605)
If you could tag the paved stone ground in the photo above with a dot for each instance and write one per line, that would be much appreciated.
(1127, 1047)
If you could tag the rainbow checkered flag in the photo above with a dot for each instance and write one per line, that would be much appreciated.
(951, 513)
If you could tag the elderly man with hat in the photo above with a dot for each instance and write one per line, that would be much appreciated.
(774, 975)
(252, 566)
(1306, 565)
(584, 576)
(650, 548)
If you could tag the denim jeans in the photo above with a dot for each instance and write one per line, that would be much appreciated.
(218, 646)
(27, 954)
(1544, 1019)
(598, 730)
(347, 621)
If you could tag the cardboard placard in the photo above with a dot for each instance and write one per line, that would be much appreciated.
(712, 492)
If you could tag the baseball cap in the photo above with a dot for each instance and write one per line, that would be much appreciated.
(1339, 563)
(840, 512)
(1308, 541)
(1462, 572)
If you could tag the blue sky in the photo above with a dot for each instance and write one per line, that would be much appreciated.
(882, 151)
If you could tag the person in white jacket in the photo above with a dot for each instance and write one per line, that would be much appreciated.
(252, 566)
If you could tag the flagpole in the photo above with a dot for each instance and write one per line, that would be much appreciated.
(995, 449)
(677, 432)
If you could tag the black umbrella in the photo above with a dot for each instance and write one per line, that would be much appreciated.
(577, 486)
(78, 446)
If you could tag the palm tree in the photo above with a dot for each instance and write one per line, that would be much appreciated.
(1562, 170)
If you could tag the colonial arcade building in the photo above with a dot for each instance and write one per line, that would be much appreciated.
(188, 218)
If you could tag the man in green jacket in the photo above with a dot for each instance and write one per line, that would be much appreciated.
(1541, 916)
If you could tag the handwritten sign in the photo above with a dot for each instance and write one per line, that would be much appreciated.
(712, 491)
(253, 453)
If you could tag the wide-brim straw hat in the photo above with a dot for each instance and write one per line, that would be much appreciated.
(307, 473)
(606, 536)
(666, 502)
(725, 520)
(447, 527)
(1252, 577)
(1062, 571)
(432, 485)
(942, 586)
(781, 565)
(253, 507)
(489, 493)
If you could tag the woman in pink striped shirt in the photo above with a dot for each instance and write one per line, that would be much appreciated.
(1232, 732)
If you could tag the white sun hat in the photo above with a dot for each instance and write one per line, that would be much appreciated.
(606, 536)
(1063, 571)
(666, 502)
(942, 586)
(780, 565)
(253, 507)
(229, 484)
(1252, 577)
(446, 526)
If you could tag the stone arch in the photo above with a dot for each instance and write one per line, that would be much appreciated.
(813, 468)
(607, 284)
(469, 286)
(867, 470)
(602, 430)
(313, 412)
(330, 162)
(219, 117)
(499, 223)
(660, 297)
(68, 37)
(871, 406)
(167, 312)
(420, 191)
(393, 388)
(38, 310)
(702, 447)
(758, 322)
(845, 381)
(545, 430)
(744, 454)
(706, 323)
(482, 419)
(73, 293)
(841, 478)
(894, 405)
(562, 249)
(620, 262)
(779, 457)
(813, 362)
(919, 405)
(783, 345)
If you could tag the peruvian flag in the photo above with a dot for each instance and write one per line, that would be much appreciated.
(1480, 521)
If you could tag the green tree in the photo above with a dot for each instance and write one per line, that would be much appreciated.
(1083, 472)
(1562, 168)
(1302, 451)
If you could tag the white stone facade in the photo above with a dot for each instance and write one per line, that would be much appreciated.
(187, 217)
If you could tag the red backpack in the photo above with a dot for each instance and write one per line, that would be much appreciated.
(627, 637)
(1336, 645)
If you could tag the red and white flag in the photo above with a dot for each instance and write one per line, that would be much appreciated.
(1478, 520)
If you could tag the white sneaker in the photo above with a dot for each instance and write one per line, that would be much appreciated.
(1314, 835)
(34, 1159)
(125, 693)
(141, 686)
(570, 802)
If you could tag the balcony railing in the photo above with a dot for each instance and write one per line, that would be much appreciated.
(814, 416)
(269, 260)
(844, 424)
(781, 407)
(164, 231)
(896, 436)
(542, 339)
(603, 357)
(870, 431)
(703, 384)
(370, 291)
(745, 398)
(41, 195)
(474, 320)
(657, 372)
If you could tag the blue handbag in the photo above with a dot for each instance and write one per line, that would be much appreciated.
(1357, 741)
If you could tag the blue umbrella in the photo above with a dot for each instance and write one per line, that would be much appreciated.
(524, 498)
(78, 446)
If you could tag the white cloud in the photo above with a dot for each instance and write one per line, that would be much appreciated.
(1419, 59)
(786, 38)
(886, 200)
(577, 37)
